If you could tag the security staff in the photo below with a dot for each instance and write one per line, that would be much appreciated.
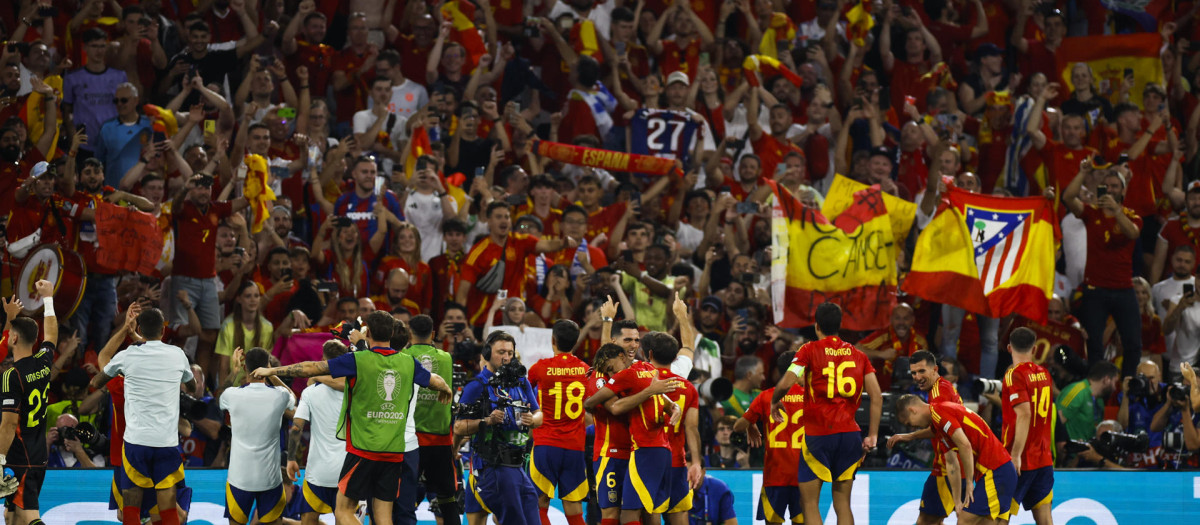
(501, 440)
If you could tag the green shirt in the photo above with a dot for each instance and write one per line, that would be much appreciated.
(379, 398)
(739, 402)
(650, 309)
(1080, 410)
(432, 417)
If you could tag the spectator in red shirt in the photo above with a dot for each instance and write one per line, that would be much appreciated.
(1039, 56)
(906, 74)
(1112, 231)
(304, 47)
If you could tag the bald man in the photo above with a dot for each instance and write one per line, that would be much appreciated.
(395, 295)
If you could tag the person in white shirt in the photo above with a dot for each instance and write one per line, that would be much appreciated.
(371, 124)
(320, 406)
(407, 96)
(153, 371)
(1182, 262)
(256, 410)
(428, 205)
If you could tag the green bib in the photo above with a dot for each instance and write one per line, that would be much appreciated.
(376, 408)
(432, 417)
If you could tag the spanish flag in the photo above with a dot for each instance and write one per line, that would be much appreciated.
(418, 144)
(860, 23)
(258, 191)
(779, 28)
(167, 117)
(1110, 57)
(992, 256)
(583, 39)
(849, 260)
(462, 15)
(34, 113)
(755, 64)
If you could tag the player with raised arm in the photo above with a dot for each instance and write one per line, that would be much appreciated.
(684, 434)
(780, 486)
(939, 495)
(1027, 402)
(23, 401)
(835, 374)
(990, 475)
(255, 411)
(320, 406)
(557, 460)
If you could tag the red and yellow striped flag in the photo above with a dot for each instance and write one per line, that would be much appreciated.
(860, 23)
(780, 28)
(257, 191)
(755, 64)
(462, 16)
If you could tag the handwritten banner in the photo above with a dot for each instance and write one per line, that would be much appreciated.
(127, 239)
(604, 159)
(841, 196)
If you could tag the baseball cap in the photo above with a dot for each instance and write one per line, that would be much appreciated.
(882, 151)
(678, 76)
(1193, 186)
(988, 49)
(40, 169)
(714, 302)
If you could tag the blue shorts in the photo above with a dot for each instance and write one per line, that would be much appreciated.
(551, 467)
(936, 499)
(152, 467)
(116, 500)
(473, 504)
(315, 498)
(610, 481)
(679, 493)
(508, 494)
(1034, 489)
(994, 492)
(775, 500)
(834, 457)
(647, 485)
(239, 503)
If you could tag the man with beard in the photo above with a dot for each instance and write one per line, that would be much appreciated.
(1081, 404)
(504, 253)
(40, 215)
(1112, 232)
(770, 147)
(1178, 231)
(1060, 158)
(18, 161)
(1060, 330)
(897, 340)
(1183, 261)
(211, 62)
(304, 47)
(94, 309)
(748, 378)
(649, 289)
(396, 286)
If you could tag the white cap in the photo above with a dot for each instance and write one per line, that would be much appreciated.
(678, 76)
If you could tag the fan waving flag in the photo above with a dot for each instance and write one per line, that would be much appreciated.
(779, 28)
(1110, 57)
(418, 145)
(769, 67)
(257, 190)
(988, 255)
(461, 15)
(860, 23)
(850, 260)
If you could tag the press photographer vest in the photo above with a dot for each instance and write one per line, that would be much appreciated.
(378, 403)
(432, 417)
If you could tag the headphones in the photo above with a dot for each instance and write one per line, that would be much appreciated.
(487, 344)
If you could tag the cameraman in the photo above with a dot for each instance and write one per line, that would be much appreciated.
(1141, 397)
(67, 451)
(153, 371)
(501, 439)
(1091, 458)
(1177, 417)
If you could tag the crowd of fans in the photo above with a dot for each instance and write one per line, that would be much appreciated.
(331, 93)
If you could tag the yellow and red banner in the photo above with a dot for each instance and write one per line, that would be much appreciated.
(755, 64)
(258, 191)
(1111, 57)
(605, 159)
(842, 194)
(462, 16)
(849, 260)
(991, 256)
(779, 28)
(127, 239)
(859, 23)
(584, 40)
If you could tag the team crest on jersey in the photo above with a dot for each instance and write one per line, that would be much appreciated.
(599, 382)
(427, 363)
(386, 386)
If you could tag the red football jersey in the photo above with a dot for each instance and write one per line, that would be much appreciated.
(647, 424)
(834, 370)
(950, 417)
(612, 433)
(783, 437)
(561, 385)
(1029, 382)
(686, 398)
(943, 391)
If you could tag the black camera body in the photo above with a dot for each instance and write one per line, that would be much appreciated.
(84, 432)
(1177, 392)
(191, 408)
(508, 375)
(1113, 445)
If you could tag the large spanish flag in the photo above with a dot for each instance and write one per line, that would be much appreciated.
(1109, 57)
(849, 260)
(988, 255)
(461, 15)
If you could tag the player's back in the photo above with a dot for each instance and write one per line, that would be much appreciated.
(942, 392)
(646, 422)
(321, 406)
(1030, 382)
(784, 438)
(255, 415)
(25, 389)
(949, 417)
(685, 397)
(561, 383)
(835, 372)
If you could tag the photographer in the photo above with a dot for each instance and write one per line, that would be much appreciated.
(1177, 419)
(1092, 458)
(500, 410)
(66, 449)
(1141, 397)
(153, 371)
(732, 453)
